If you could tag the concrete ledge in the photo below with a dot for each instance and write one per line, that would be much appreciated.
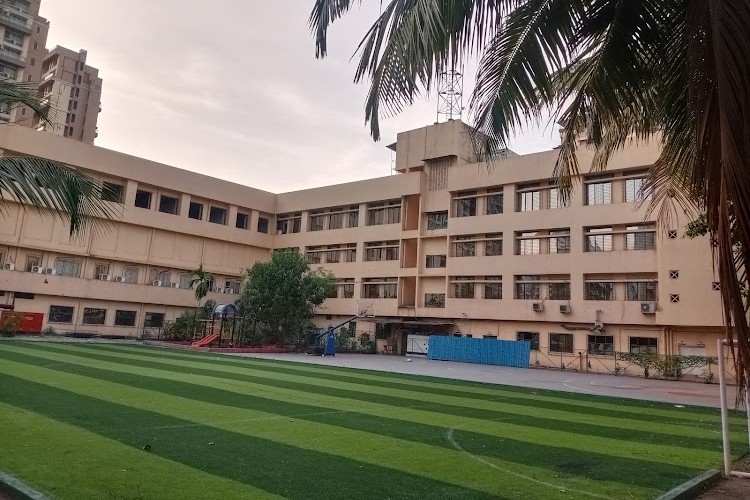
(694, 487)
(17, 489)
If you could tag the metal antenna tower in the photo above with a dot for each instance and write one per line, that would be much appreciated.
(450, 95)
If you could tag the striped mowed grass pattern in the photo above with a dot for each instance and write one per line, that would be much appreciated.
(75, 419)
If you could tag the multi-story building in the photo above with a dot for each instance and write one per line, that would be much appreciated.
(22, 51)
(449, 245)
(73, 90)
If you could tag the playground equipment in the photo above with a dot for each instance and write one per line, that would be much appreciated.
(226, 314)
(325, 342)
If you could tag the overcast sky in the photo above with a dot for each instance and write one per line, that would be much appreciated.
(231, 88)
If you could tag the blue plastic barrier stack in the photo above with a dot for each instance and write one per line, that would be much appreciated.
(480, 351)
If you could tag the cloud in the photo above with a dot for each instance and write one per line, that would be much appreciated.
(232, 89)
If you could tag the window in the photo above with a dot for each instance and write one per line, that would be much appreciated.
(169, 204)
(599, 192)
(68, 267)
(100, 269)
(463, 287)
(640, 291)
(352, 219)
(528, 199)
(112, 192)
(435, 261)
(466, 204)
(381, 250)
(493, 246)
(196, 210)
(61, 314)
(8, 72)
(32, 261)
(494, 203)
(317, 222)
(493, 287)
(434, 300)
(350, 253)
(346, 288)
(314, 255)
(262, 225)
(635, 190)
(602, 345)
(556, 200)
(125, 318)
(336, 221)
(153, 320)
(243, 221)
(78, 92)
(640, 237)
(130, 274)
(143, 199)
(289, 223)
(5, 108)
(527, 287)
(384, 213)
(528, 243)
(32, 62)
(184, 280)
(599, 239)
(93, 316)
(437, 220)
(217, 215)
(379, 288)
(24, 295)
(561, 342)
(559, 241)
(600, 290)
(13, 37)
(559, 291)
(644, 344)
(532, 337)
(462, 248)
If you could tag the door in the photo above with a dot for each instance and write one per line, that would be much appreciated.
(417, 344)
(689, 350)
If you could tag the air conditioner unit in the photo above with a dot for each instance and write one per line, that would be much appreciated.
(105, 277)
(9, 266)
(119, 279)
(564, 309)
(537, 307)
(648, 307)
(156, 283)
(174, 285)
(37, 269)
(50, 270)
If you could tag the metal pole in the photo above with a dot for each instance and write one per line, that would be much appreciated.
(724, 412)
(747, 411)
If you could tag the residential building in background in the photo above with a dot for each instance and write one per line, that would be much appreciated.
(450, 245)
(73, 90)
(22, 51)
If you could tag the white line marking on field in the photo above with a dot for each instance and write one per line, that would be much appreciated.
(452, 441)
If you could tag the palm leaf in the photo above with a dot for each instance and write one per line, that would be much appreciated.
(45, 184)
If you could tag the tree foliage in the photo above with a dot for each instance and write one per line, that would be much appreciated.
(280, 296)
(612, 72)
(186, 324)
(200, 282)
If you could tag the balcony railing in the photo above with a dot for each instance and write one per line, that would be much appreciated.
(13, 56)
(15, 22)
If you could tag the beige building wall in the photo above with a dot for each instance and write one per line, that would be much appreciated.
(449, 245)
(21, 51)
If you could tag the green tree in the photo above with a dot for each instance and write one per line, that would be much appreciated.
(280, 296)
(611, 71)
(201, 283)
(48, 185)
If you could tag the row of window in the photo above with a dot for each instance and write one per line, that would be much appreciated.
(527, 287)
(94, 316)
(599, 345)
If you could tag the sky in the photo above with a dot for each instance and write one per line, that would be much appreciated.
(232, 89)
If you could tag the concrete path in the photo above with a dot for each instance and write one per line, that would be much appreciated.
(686, 393)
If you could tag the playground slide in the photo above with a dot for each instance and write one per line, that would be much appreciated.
(205, 341)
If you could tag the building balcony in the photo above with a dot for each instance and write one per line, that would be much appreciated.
(12, 57)
(23, 25)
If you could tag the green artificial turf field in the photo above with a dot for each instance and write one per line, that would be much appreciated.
(75, 419)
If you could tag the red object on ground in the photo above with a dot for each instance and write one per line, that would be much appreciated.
(30, 323)
(205, 341)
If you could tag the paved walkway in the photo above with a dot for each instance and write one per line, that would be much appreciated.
(686, 393)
